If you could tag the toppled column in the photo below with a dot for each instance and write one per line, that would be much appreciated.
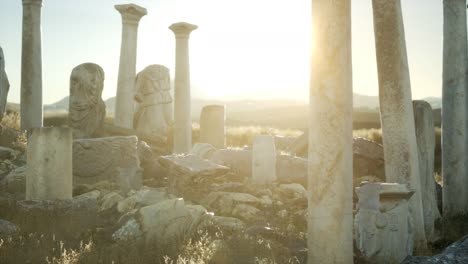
(124, 104)
(182, 114)
(425, 135)
(31, 66)
(49, 159)
(4, 85)
(212, 126)
(86, 110)
(263, 159)
(330, 183)
(383, 223)
(454, 110)
(396, 108)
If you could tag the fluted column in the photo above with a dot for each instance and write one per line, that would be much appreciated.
(124, 105)
(396, 108)
(455, 191)
(330, 186)
(31, 66)
(182, 115)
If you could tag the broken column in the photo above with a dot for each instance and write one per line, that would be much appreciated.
(330, 185)
(212, 127)
(455, 193)
(49, 158)
(182, 115)
(383, 223)
(396, 108)
(263, 159)
(31, 66)
(124, 104)
(425, 135)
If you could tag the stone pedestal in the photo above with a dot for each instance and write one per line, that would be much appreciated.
(454, 136)
(396, 108)
(124, 104)
(330, 185)
(263, 159)
(4, 85)
(49, 159)
(425, 135)
(383, 223)
(31, 66)
(182, 115)
(212, 126)
(86, 110)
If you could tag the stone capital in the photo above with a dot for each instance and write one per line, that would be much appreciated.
(182, 29)
(131, 13)
(32, 2)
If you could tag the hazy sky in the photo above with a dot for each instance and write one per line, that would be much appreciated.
(243, 49)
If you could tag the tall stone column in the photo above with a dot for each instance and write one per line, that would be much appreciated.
(124, 104)
(263, 159)
(31, 66)
(396, 108)
(49, 157)
(455, 192)
(330, 186)
(425, 135)
(212, 126)
(182, 115)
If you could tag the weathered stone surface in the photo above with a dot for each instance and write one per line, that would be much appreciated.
(383, 223)
(212, 126)
(368, 149)
(131, 15)
(225, 224)
(7, 228)
(171, 219)
(110, 200)
(191, 176)
(130, 178)
(455, 253)
(263, 159)
(130, 231)
(101, 159)
(239, 205)
(293, 190)
(6, 153)
(87, 110)
(291, 169)
(203, 150)
(330, 179)
(396, 108)
(49, 158)
(58, 216)
(4, 84)
(425, 136)
(182, 116)
(238, 160)
(15, 182)
(144, 197)
(154, 102)
(454, 110)
(31, 66)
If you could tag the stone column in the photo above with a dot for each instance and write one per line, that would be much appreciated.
(330, 185)
(212, 126)
(49, 158)
(425, 135)
(263, 159)
(124, 104)
(396, 108)
(182, 116)
(383, 223)
(455, 192)
(4, 85)
(31, 66)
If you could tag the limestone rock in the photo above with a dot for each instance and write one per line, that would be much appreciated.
(212, 125)
(191, 176)
(130, 231)
(293, 190)
(225, 224)
(455, 253)
(15, 182)
(169, 220)
(6, 153)
(144, 197)
(87, 110)
(110, 200)
(100, 159)
(4, 85)
(239, 205)
(7, 228)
